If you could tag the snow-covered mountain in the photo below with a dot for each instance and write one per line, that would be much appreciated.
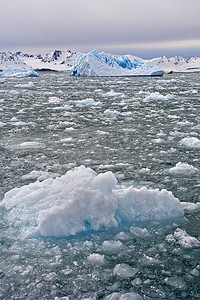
(9, 58)
(62, 60)
(55, 61)
(177, 64)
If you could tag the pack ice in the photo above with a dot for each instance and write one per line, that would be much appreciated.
(101, 64)
(14, 71)
(83, 200)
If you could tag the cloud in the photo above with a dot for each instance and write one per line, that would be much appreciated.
(100, 22)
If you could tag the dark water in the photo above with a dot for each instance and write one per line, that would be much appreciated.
(139, 141)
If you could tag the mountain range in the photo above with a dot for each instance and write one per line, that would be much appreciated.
(62, 60)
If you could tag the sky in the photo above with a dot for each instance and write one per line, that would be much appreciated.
(145, 28)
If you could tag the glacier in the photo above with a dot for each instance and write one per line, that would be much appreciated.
(15, 71)
(102, 64)
(83, 200)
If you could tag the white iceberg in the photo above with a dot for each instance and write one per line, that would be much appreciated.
(101, 64)
(81, 200)
(14, 71)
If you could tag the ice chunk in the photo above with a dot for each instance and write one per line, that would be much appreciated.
(143, 204)
(125, 271)
(188, 206)
(112, 246)
(167, 81)
(101, 64)
(114, 94)
(185, 240)
(191, 142)
(54, 100)
(181, 237)
(26, 85)
(140, 232)
(125, 296)
(183, 168)
(14, 71)
(27, 145)
(96, 259)
(176, 282)
(158, 96)
(2, 124)
(81, 200)
(88, 102)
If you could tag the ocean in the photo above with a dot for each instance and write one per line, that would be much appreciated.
(144, 133)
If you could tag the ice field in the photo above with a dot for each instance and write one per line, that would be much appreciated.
(99, 190)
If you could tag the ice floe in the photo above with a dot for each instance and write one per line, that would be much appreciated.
(183, 168)
(26, 85)
(157, 96)
(191, 142)
(182, 238)
(81, 200)
(14, 71)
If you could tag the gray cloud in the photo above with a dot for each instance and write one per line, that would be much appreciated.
(97, 23)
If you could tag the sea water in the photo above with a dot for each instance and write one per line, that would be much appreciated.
(143, 131)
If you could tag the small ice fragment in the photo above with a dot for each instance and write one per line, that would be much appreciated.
(96, 259)
(125, 271)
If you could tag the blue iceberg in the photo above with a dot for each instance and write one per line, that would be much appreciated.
(102, 64)
(14, 71)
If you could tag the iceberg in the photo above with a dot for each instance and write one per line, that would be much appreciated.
(14, 71)
(83, 200)
(101, 64)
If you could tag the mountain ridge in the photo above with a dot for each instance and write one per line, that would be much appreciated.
(62, 60)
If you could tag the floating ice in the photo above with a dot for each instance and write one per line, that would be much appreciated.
(113, 113)
(54, 100)
(81, 200)
(189, 206)
(62, 108)
(112, 246)
(27, 145)
(2, 80)
(2, 124)
(96, 259)
(167, 81)
(14, 71)
(38, 175)
(183, 168)
(123, 296)
(181, 237)
(114, 94)
(125, 271)
(88, 102)
(26, 85)
(158, 96)
(191, 142)
(101, 64)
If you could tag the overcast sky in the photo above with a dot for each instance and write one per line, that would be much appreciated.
(146, 28)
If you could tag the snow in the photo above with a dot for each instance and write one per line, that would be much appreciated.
(191, 142)
(101, 64)
(14, 71)
(183, 168)
(81, 200)
(158, 96)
